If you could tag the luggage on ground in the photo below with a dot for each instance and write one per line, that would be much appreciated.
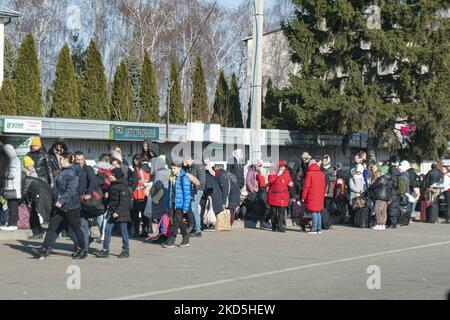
(326, 221)
(223, 221)
(24, 217)
(361, 218)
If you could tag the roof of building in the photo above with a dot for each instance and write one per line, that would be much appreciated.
(8, 13)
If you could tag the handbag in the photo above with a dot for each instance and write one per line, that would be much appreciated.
(94, 201)
(223, 221)
(359, 203)
(210, 217)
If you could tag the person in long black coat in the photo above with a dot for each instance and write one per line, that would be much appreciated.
(118, 213)
(38, 195)
(231, 195)
(394, 205)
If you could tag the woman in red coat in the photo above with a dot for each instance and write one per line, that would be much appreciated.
(278, 195)
(314, 194)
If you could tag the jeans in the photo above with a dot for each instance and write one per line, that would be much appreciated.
(124, 231)
(196, 211)
(317, 222)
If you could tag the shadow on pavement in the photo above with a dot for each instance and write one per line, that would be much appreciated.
(27, 246)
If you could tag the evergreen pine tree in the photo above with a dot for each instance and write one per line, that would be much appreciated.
(79, 54)
(122, 95)
(235, 103)
(222, 113)
(8, 98)
(149, 98)
(271, 117)
(28, 80)
(369, 68)
(134, 70)
(10, 58)
(199, 110)
(176, 108)
(65, 98)
(94, 102)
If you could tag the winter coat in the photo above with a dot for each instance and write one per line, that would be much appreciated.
(160, 178)
(381, 189)
(314, 189)
(213, 190)
(68, 188)
(330, 179)
(394, 205)
(231, 194)
(38, 195)
(119, 200)
(88, 179)
(434, 176)
(13, 174)
(250, 180)
(53, 158)
(357, 186)
(198, 171)
(42, 165)
(180, 191)
(278, 193)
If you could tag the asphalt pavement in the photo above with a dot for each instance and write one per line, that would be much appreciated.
(343, 263)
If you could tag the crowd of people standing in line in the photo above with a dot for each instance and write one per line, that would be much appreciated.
(60, 189)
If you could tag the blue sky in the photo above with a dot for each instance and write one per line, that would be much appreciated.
(235, 3)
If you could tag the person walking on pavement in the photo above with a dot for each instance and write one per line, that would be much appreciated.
(41, 160)
(313, 194)
(278, 195)
(196, 174)
(180, 193)
(66, 209)
(118, 214)
(88, 182)
(231, 194)
(11, 187)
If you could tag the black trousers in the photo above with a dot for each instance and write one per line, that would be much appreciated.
(35, 223)
(13, 208)
(178, 223)
(139, 207)
(447, 200)
(59, 221)
(278, 215)
(342, 210)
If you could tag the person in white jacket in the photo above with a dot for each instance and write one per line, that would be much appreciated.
(445, 186)
(12, 185)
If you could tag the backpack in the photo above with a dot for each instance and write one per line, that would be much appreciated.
(24, 217)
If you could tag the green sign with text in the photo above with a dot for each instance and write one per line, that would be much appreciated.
(132, 133)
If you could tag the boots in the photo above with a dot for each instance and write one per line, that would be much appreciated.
(102, 254)
(80, 254)
(124, 254)
(41, 253)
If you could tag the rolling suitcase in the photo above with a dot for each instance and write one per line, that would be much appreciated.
(361, 218)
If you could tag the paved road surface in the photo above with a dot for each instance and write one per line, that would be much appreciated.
(245, 264)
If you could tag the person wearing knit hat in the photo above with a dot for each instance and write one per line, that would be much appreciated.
(118, 212)
(404, 166)
(36, 142)
(384, 170)
(28, 164)
(41, 160)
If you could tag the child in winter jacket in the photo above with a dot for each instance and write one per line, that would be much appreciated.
(118, 213)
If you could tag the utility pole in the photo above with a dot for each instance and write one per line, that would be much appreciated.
(256, 88)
